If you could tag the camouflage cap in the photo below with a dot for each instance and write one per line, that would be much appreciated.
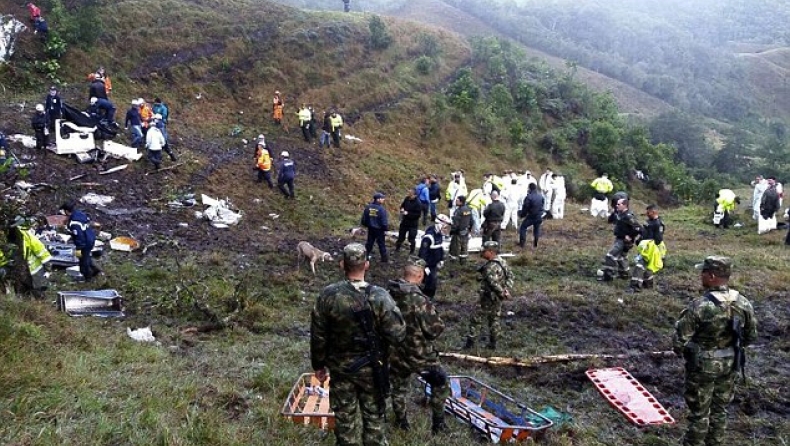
(491, 245)
(718, 265)
(354, 254)
(416, 261)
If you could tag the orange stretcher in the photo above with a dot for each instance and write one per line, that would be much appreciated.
(308, 403)
(628, 396)
(498, 416)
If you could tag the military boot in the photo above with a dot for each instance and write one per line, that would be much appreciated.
(438, 425)
(470, 342)
(649, 283)
(385, 258)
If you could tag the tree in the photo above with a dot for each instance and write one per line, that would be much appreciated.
(379, 36)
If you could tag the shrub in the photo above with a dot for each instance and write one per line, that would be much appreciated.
(424, 65)
(379, 36)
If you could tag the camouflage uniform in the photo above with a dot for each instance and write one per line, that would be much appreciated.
(494, 280)
(704, 336)
(337, 341)
(625, 224)
(417, 353)
(460, 230)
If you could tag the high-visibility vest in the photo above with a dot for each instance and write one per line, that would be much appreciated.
(264, 159)
(476, 199)
(726, 200)
(602, 185)
(652, 254)
(146, 114)
(336, 121)
(499, 182)
(34, 252)
(304, 116)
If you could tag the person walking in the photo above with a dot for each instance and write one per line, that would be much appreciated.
(711, 335)
(493, 214)
(375, 218)
(352, 325)
(304, 121)
(495, 283)
(651, 249)
(513, 196)
(83, 237)
(263, 162)
(434, 193)
(54, 108)
(626, 231)
(155, 143)
(417, 354)
(432, 251)
(455, 189)
(424, 195)
(326, 131)
(336, 123)
(286, 173)
(39, 124)
(410, 211)
(134, 123)
(460, 230)
(277, 108)
(532, 211)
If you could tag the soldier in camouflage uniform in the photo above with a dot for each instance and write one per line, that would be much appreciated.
(495, 281)
(460, 229)
(339, 344)
(626, 231)
(708, 335)
(417, 354)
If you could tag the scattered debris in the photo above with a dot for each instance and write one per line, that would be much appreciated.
(187, 200)
(218, 212)
(121, 151)
(308, 403)
(114, 169)
(10, 28)
(352, 138)
(77, 177)
(141, 334)
(104, 236)
(274, 216)
(101, 303)
(126, 244)
(72, 139)
(550, 359)
(96, 199)
(28, 141)
(57, 220)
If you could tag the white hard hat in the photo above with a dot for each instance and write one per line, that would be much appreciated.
(285, 154)
(261, 136)
(157, 116)
(39, 107)
(94, 100)
(140, 101)
(134, 102)
(441, 218)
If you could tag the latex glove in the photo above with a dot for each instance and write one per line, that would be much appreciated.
(46, 132)
(440, 265)
(427, 271)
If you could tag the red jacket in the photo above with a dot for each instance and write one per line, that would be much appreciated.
(35, 11)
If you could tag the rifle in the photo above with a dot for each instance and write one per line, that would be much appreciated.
(376, 356)
(739, 364)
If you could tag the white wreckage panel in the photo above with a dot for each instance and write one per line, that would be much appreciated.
(121, 151)
(79, 140)
(28, 142)
(10, 28)
(218, 212)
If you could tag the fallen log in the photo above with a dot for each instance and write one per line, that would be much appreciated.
(500, 361)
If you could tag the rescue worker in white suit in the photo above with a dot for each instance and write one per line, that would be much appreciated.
(559, 194)
(760, 185)
(525, 180)
(513, 196)
(546, 188)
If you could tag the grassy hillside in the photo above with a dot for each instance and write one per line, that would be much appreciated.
(229, 308)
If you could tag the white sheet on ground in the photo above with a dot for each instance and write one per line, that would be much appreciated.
(121, 151)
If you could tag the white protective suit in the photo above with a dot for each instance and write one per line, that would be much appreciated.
(545, 185)
(759, 189)
(513, 196)
(559, 193)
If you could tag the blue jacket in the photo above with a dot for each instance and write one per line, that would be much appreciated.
(286, 170)
(81, 230)
(533, 206)
(162, 110)
(375, 217)
(431, 249)
(133, 117)
(423, 193)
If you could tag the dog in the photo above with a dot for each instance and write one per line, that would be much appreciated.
(305, 250)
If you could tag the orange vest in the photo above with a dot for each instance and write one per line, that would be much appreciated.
(264, 159)
(146, 114)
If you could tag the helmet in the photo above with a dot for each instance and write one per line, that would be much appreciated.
(261, 136)
(140, 101)
(443, 219)
(94, 100)
(277, 92)
(39, 107)
(158, 116)
(379, 195)
(285, 154)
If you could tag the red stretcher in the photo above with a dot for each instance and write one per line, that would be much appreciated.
(308, 403)
(498, 416)
(628, 396)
